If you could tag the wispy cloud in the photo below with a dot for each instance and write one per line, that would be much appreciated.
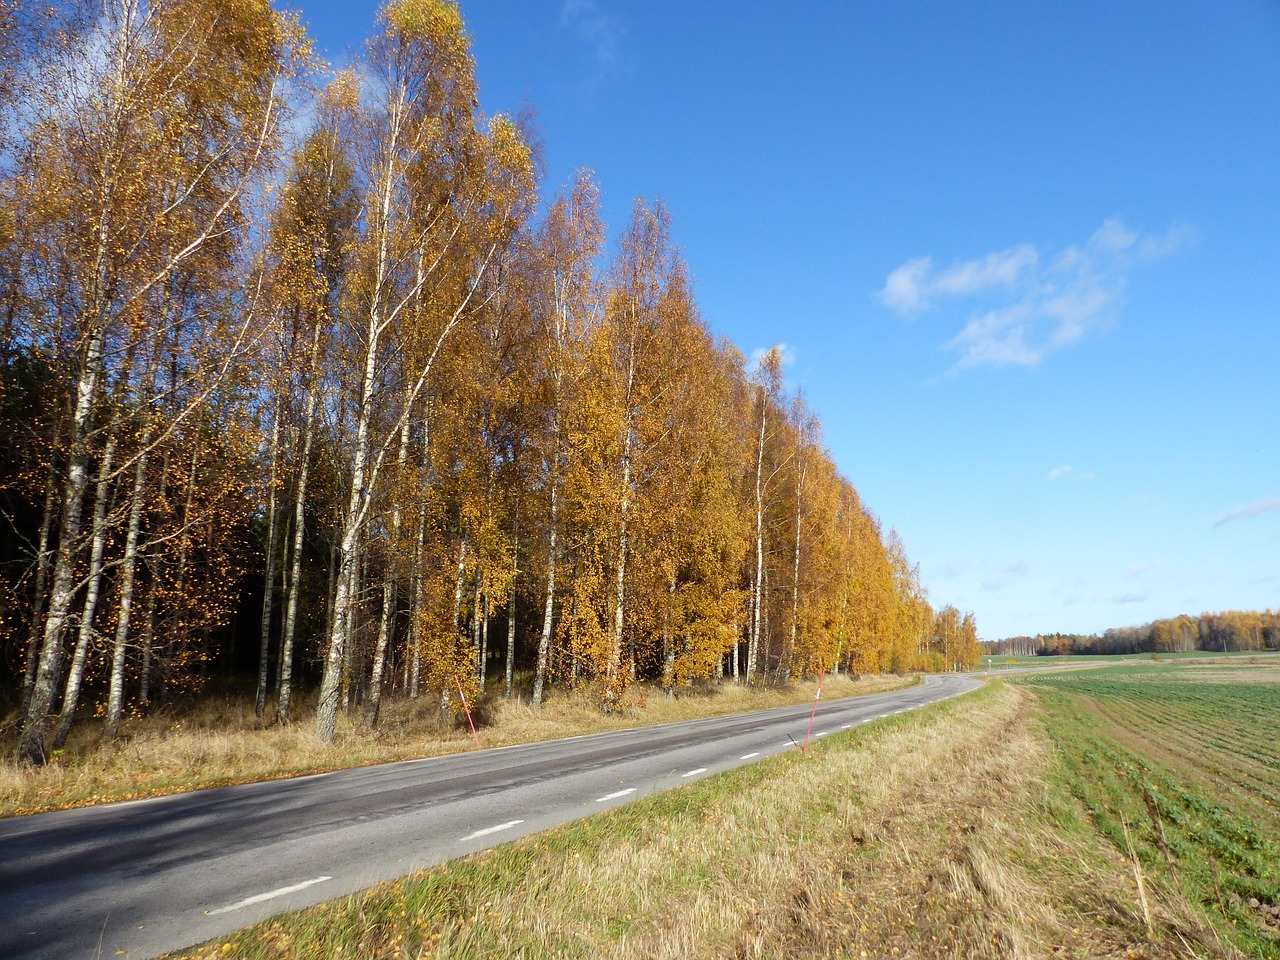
(1137, 596)
(1255, 509)
(601, 31)
(1140, 570)
(1058, 473)
(914, 287)
(1033, 303)
(1006, 576)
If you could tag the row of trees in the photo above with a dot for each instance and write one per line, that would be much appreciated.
(1230, 631)
(363, 385)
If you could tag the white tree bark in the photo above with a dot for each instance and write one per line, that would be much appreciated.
(32, 746)
(285, 695)
(71, 694)
(373, 702)
(115, 694)
(544, 641)
(269, 578)
(511, 622)
(753, 642)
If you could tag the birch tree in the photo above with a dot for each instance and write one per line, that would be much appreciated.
(570, 241)
(434, 217)
(156, 120)
(768, 465)
(314, 221)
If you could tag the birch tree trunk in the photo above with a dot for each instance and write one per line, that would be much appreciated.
(284, 686)
(31, 745)
(373, 696)
(415, 606)
(484, 643)
(544, 641)
(71, 695)
(294, 588)
(353, 518)
(612, 690)
(374, 699)
(148, 644)
(477, 626)
(41, 585)
(795, 586)
(511, 623)
(269, 578)
(115, 694)
(446, 691)
(753, 643)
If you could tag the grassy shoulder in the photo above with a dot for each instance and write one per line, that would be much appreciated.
(941, 833)
(218, 740)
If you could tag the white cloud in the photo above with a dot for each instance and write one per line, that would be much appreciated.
(906, 289)
(1255, 509)
(1113, 236)
(1003, 269)
(1033, 303)
(1058, 473)
(1134, 597)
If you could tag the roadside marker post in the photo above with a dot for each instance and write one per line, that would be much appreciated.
(471, 723)
(814, 712)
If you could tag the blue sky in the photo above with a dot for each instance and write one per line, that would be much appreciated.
(1025, 259)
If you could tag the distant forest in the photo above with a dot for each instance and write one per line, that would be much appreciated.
(302, 384)
(1228, 632)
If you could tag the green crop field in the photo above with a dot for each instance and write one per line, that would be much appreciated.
(1021, 661)
(1178, 767)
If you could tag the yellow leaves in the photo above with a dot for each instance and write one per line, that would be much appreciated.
(427, 21)
(508, 147)
(342, 94)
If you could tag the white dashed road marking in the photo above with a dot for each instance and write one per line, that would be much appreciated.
(270, 895)
(488, 830)
(614, 796)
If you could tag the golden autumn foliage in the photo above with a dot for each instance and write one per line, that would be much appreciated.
(354, 411)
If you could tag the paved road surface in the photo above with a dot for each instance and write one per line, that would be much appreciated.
(148, 876)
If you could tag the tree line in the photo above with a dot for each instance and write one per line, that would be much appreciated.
(1229, 631)
(356, 398)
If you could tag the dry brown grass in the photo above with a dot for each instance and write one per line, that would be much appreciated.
(927, 836)
(220, 741)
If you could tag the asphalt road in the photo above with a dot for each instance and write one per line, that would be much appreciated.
(141, 878)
